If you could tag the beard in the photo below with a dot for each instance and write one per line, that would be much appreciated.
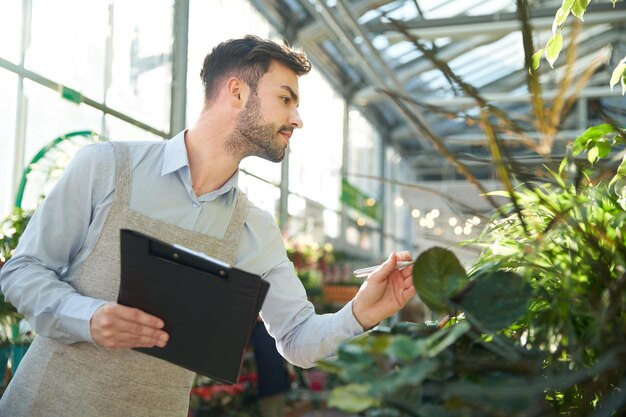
(252, 136)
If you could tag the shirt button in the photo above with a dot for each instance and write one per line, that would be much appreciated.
(196, 204)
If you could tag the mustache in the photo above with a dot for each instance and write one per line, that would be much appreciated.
(286, 128)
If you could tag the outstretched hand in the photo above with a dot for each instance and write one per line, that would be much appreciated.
(384, 292)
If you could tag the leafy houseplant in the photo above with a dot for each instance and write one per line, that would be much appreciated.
(537, 327)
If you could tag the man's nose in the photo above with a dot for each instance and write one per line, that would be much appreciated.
(295, 121)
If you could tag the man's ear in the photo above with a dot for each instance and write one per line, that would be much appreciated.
(237, 91)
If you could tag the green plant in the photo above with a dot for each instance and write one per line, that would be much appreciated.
(537, 327)
(11, 229)
(554, 44)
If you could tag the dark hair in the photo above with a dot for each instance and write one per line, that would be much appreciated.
(248, 58)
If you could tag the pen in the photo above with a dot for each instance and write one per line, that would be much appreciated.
(363, 272)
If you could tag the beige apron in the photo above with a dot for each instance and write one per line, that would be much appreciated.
(88, 381)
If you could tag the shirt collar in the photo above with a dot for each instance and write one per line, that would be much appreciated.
(175, 155)
(175, 159)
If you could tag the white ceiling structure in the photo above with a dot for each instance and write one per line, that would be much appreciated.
(376, 53)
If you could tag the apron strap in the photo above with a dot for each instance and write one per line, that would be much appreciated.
(122, 173)
(238, 219)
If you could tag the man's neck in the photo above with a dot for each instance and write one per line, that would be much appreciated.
(210, 166)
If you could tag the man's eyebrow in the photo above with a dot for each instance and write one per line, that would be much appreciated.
(294, 96)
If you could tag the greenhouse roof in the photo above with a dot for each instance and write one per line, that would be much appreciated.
(378, 54)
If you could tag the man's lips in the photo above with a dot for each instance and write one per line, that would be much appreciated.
(286, 133)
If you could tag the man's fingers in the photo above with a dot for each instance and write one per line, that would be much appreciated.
(389, 265)
(114, 326)
(409, 293)
(116, 338)
(139, 330)
(404, 255)
(136, 316)
(143, 340)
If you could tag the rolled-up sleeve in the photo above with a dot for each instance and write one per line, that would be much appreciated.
(34, 279)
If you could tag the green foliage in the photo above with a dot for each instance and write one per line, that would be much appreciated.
(555, 42)
(11, 229)
(597, 141)
(537, 325)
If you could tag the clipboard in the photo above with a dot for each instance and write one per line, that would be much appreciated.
(209, 308)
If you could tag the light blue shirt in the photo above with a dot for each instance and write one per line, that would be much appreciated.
(64, 230)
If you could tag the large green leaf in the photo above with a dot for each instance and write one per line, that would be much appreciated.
(352, 398)
(497, 300)
(438, 275)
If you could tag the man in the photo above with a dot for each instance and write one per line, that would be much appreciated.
(64, 275)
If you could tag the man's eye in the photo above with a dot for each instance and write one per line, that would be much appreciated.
(285, 99)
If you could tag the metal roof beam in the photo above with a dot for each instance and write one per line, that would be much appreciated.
(517, 78)
(329, 19)
(465, 26)
(316, 32)
(403, 134)
(448, 53)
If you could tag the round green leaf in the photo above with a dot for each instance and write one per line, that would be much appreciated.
(497, 299)
(438, 275)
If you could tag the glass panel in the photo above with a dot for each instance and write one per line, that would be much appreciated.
(10, 29)
(212, 22)
(317, 149)
(332, 221)
(209, 24)
(398, 220)
(141, 71)
(8, 100)
(68, 43)
(365, 149)
(117, 129)
(263, 195)
(48, 117)
(260, 167)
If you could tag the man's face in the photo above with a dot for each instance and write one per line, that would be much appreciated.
(266, 123)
